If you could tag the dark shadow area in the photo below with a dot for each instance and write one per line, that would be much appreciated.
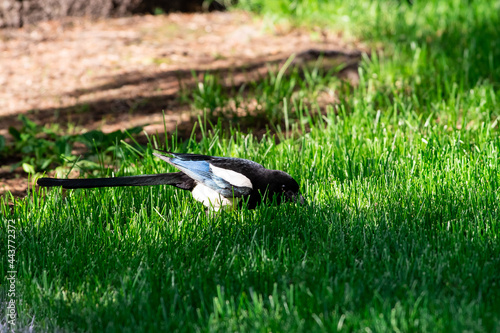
(345, 248)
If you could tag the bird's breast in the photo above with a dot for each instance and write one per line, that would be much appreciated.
(211, 198)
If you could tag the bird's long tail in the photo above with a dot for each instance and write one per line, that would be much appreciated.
(177, 179)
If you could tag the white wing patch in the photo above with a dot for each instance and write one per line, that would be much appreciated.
(210, 198)
(232, 177)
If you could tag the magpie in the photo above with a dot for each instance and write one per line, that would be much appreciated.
(214, 181)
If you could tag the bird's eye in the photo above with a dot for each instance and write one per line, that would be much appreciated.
(283, 187)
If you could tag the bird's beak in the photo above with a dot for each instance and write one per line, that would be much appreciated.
(295, 197)
(299, 198)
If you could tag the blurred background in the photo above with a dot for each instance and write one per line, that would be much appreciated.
(79, 76)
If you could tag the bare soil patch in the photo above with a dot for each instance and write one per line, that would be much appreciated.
(120, 73)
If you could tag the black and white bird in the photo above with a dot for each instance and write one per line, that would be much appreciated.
(214, 181)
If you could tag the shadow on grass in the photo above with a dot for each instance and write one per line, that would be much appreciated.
(323, 260)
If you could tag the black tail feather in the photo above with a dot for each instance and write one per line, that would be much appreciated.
(177, 179)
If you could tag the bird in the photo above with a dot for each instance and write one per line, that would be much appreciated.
(212, 180)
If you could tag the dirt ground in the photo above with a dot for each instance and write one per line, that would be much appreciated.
(120, 73)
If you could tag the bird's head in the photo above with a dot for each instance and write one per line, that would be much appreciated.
(284, 187)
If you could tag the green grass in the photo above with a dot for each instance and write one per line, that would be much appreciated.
(400, 233)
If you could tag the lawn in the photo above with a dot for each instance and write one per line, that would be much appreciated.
(401, 227)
